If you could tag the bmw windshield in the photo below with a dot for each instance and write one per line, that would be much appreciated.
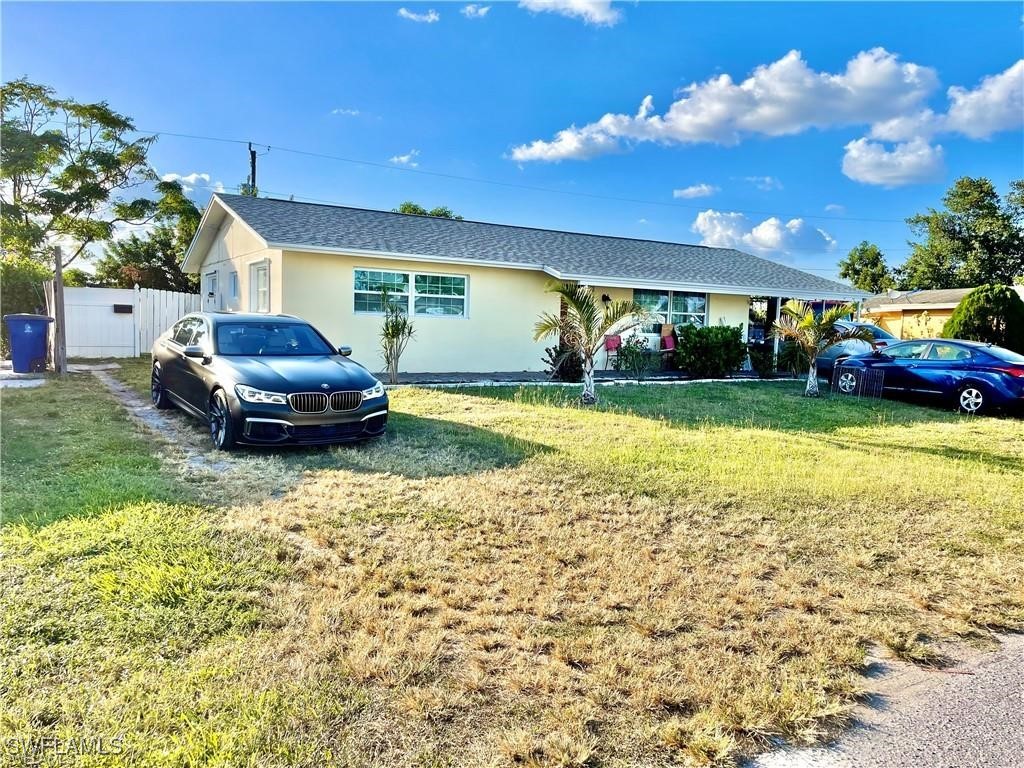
(270, 339)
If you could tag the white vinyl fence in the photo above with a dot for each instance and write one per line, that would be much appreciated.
(119, 322)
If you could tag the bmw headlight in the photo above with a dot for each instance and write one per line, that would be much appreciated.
(377, 390)
(253, 395)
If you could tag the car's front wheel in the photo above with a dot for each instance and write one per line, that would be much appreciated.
(971, 399)
(157, 393)
(222, 428)
(847, 383)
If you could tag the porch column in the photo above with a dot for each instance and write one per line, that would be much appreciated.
(777, 300)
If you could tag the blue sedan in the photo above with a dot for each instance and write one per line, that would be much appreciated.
(969, 375)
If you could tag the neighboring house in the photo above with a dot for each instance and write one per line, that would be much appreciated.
(474, 290)
(916, 314)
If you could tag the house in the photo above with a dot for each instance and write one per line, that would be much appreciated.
(913, 314)
(474, 290)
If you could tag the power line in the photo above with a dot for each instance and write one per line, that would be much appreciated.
(509, 184)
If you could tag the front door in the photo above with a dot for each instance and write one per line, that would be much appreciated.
(211, 297)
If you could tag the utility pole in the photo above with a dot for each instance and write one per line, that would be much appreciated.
(252, 170)
(60, 347)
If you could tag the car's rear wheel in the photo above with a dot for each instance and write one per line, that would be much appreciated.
(222, 428)
(847, 383)
(971, 399)
(157, 393)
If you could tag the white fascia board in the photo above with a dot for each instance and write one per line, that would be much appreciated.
(904, 307)
(732, 290)
(202, 231)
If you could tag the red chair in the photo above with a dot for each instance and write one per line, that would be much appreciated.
(611, 346)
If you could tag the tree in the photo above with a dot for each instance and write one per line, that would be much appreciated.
(978, 238)
(441, 212)
(815, 333)
(865, 267)
(991, 313)
(154, 260)
(583, 323)
(76, 278)
(395, 334)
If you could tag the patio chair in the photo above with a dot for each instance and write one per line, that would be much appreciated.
(611, 347)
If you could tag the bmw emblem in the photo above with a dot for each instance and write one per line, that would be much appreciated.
(325, 386)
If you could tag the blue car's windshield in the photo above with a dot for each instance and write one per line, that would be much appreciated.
(269, 339)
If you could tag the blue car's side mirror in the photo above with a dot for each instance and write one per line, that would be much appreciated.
(345, 351)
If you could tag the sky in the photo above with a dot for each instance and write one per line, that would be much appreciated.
(792, 131)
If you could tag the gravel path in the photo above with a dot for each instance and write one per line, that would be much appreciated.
(970, 717)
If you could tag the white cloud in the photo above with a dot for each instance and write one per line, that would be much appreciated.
(190, 180)
(641, 221)
(997, 104)
(765, 183)
(835, 208)
(772, 236)
(218, 186)
(597, 12)
(695, 190)
(424, 18)
(346, 112)
(474, 11)
(782, 98)
(910, 162)
(408, 159)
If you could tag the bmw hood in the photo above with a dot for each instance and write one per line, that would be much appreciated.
(300, 374)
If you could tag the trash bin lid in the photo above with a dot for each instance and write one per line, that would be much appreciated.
(27, 316)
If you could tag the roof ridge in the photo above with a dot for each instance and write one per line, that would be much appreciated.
(487, 223)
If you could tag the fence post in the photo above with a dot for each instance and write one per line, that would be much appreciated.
(136, 322)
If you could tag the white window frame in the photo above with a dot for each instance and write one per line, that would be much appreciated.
(254, 269)
(412, 294)
(668, 310)
(234, 284)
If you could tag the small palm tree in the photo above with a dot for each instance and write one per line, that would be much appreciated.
(583, 323)
(815, 334)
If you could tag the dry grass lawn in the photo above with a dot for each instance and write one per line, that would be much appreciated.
(678, 576)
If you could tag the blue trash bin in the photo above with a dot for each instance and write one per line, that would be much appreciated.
(28, 341)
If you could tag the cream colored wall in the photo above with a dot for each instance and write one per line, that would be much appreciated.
(236, 249)
(497, 334)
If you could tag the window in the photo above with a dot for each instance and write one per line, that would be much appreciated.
(948, 352)
(672, 307)
(430, 295)
(260, 291)
(184, 329)
(270, 339)
(199, 337)
(233, 285)
(912, 351)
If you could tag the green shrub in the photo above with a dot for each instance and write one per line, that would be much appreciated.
(21, 290)
(711, 352)
(634, 357)
(991, 313)
(762, 358)
(563, 364)
(792, 359)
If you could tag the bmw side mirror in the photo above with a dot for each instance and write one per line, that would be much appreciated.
(345, 351)
(196, 352)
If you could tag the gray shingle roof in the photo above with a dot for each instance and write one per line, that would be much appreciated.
(937, 296)
(567, 254)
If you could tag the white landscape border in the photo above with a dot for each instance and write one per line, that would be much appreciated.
(606, 383)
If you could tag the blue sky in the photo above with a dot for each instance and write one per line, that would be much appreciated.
(788, 130)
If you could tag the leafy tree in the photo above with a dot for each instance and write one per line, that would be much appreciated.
(76, 278)
(977, 239)
(582, 325)
(991, 313)
(815, 333)
(865, 267)
(151, 261)
(441, 211)
(21, 290)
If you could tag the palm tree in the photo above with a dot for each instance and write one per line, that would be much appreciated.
(583, 323)
(815, 334)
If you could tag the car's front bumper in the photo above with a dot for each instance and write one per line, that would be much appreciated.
(280, 425)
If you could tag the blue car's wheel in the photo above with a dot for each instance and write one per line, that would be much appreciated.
(847, 383)
(971, 399)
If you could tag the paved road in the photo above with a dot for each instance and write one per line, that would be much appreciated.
(933, 720)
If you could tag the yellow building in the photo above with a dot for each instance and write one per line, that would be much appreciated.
(913, 314)
(473, 290)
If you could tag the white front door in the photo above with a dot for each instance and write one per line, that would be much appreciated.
(211, 293)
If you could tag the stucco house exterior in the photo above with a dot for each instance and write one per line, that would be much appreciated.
(474, 290)
(916, 314)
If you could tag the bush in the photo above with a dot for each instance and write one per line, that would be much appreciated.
(634, 357)
(762, 358)
(993, 314)
(793, 359)
(711, 352)
(21, 290)
(563, 364)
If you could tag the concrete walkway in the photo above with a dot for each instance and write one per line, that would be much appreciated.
(970, 716)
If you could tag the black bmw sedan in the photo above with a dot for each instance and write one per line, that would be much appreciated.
(265, 379)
